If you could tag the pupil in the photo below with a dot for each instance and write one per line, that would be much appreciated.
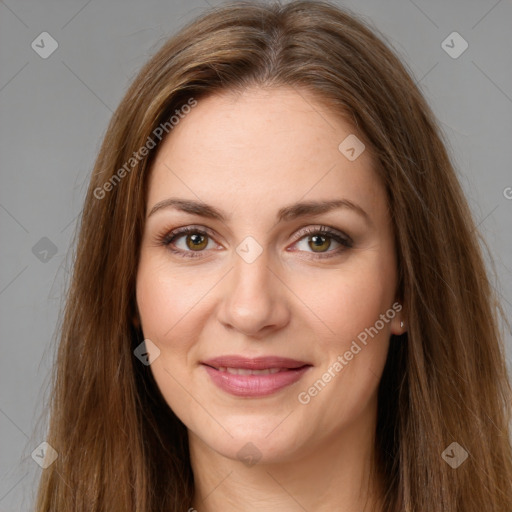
(196, 239)
(318, 241)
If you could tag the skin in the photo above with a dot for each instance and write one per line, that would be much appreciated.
(251, 154)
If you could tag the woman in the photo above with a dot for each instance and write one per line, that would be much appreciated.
(278, 297)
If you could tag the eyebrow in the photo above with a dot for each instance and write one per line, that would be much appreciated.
(287, 213)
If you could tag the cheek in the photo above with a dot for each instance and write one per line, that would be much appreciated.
(165, 299)
(355, 337)
(166, 307)
(356, 322)
(347, 300)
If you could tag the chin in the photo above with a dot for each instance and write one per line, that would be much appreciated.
(255, 442)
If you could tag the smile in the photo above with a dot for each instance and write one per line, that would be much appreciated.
(245, 371)
(257, 377)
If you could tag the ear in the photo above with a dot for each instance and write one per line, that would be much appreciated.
(399, 322)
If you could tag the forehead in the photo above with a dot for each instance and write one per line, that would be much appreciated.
(260, 147)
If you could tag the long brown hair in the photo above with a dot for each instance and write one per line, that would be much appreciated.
(120, 446)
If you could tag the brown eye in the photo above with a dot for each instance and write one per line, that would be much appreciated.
(319, 242)
(196, 241)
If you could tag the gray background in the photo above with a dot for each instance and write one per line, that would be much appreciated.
(54, 113)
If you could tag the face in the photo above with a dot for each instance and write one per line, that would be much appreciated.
(303, 299)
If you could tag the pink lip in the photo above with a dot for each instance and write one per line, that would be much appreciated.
(254, 385)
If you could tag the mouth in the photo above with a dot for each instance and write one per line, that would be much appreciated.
(245, 371)
(263, 376)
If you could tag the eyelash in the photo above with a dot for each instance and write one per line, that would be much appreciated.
(344, 240)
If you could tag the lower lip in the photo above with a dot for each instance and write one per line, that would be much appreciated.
(254, 385)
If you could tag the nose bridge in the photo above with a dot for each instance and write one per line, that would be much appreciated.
(251, 260)
(250, 278)
(250, 284)
(253, 299)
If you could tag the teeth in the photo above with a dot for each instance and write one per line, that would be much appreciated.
(245, 371)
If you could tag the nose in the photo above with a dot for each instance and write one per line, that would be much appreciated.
(255, 298)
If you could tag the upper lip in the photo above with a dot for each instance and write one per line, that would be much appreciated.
(257, 363)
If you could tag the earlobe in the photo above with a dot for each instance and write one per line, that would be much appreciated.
(399, 324)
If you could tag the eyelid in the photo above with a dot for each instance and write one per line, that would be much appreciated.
(320, 228)
(169, 234)
(338, 236)
(310, 229)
